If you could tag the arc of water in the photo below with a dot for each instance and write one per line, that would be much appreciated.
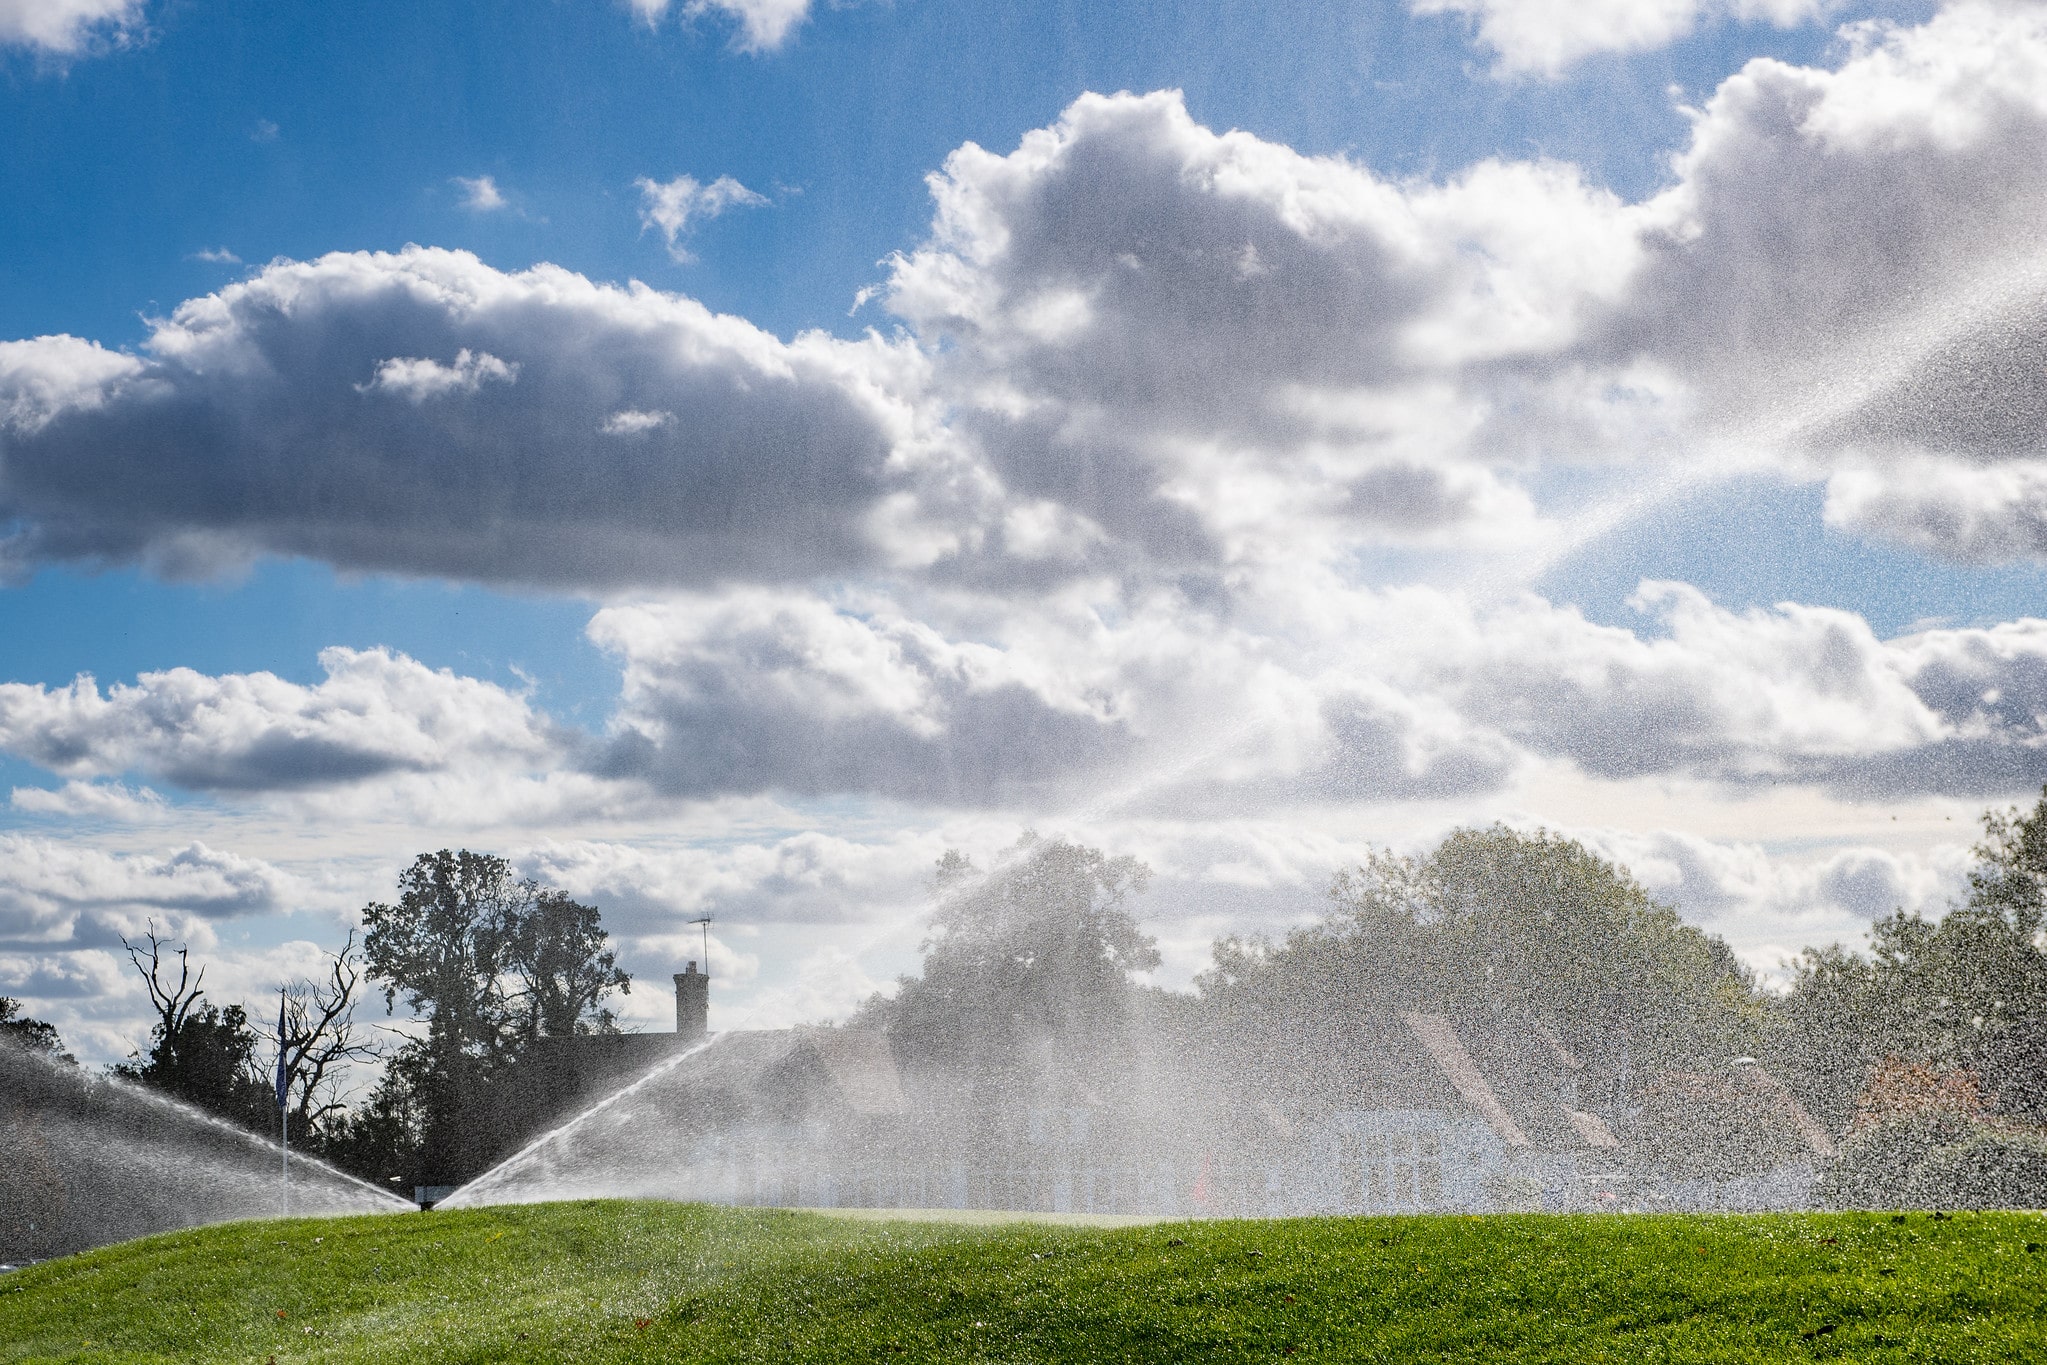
(476, 1191)
(145, 1095)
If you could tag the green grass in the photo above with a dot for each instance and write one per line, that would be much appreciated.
(646, 1282)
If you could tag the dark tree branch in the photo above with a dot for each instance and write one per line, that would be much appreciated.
(173, 1004)
(320, 1034)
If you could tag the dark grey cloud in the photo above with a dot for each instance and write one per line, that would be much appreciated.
(422, 413)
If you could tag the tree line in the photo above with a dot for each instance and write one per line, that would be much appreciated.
(1926, 1051)
(1925, 1054)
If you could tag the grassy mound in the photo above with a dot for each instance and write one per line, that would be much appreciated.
(643, 1281)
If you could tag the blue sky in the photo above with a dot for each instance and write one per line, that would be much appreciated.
(1529, 412)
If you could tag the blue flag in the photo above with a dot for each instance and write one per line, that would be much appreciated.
(283, 1075)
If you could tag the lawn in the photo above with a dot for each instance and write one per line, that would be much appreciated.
(620, 1281)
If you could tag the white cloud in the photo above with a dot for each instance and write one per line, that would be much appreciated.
(217, 256)
(67, 28)
(627, 422)
(1844, 278)
(1109, 345)
(809, 878)
(1143, 700)
(375, 714)
(1760, 697)
(419, 380)
(1100, 518)
(757, 691)
(56, 895)
(1771, 904)
(1547, 36)
(675, 206)
(41, 378)
(1948, 509)
(764, 25)
(1137, 345)
(1291, 692)
(92, 801)
(480, 194)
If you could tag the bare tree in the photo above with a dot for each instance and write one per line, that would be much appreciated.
(320, 1034)
(173, 1003)
(201, 1053)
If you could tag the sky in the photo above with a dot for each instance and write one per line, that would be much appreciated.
(720, 456)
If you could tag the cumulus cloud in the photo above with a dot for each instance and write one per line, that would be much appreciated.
(53, 374)
(1156, 705)
(1769, 904)
(810, 878)
(756, 691)
(1843, 274)
(480, 194)
(67, 28)
(1548, 36)
(1164, 390)
(1141, 701)
(1191, 338)
(1793, 693)
(58, 894)
(1951, 510)
(374, 714)
(423, 413)
(764, 25)
(1723, 883)
(673, 207)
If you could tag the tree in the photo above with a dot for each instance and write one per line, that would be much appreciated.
(1966, 991)
(1026, 968)
(557, 950)
(1530, 930)
(492, 962)
(382, 1139)
(1513, 923)
(320, 1038)
(200, 1053)
(32, 1035)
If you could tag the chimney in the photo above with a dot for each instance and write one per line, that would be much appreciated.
(692, 1003)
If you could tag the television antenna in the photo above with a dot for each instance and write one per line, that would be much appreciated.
(705, 921)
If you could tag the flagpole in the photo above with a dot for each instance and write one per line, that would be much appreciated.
(283, 1113)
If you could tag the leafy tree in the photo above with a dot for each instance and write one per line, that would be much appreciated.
(382, 1139)
(1832, 1028)
(1515, 923)
(556, 949)
(491, 962)
(32, 1035)
(1026, 969)
(1967, 991)
(1532, 930)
